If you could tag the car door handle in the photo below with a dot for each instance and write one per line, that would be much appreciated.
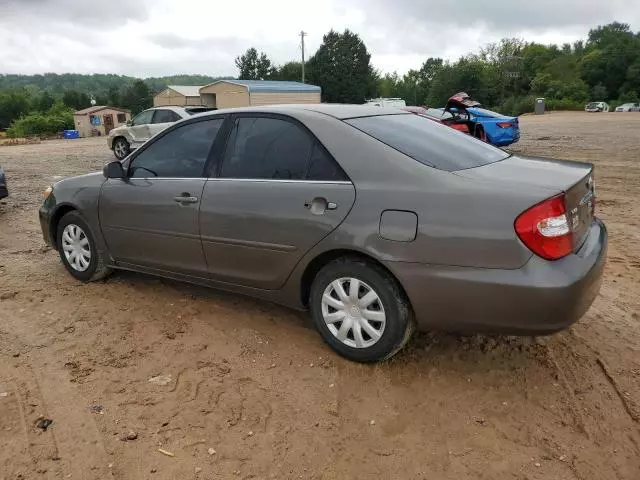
(319, 205)
(185, 198)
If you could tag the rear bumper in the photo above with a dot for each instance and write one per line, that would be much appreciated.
(110, 142)
(505, 137)
(540, 298)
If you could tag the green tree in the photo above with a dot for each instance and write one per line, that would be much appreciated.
(136, 97)
(599, 93)
(75, 99)
(44, 102)
(13, 104)
(290, 71)
(254, 66)
(342, 68)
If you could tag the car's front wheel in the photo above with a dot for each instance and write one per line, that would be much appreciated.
(121, 148)
(77, 249)
(360, 310)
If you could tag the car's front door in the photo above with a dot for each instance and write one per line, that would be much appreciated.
(277, 194)
(150, 218)
(162, 118)
(140, 129)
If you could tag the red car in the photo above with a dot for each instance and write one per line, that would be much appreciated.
(439, 116)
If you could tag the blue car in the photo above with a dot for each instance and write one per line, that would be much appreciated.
(491, 127)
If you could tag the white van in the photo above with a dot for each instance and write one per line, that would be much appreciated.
(387, 102)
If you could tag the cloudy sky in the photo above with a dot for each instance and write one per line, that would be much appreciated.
(164, 37)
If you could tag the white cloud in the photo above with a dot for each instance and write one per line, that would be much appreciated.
(160, 37)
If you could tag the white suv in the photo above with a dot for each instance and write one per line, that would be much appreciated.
(146, 124)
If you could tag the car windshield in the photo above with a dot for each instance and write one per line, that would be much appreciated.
(593, 105)
(438, 113)
(428, 142)
(485, 113)
(195, 110)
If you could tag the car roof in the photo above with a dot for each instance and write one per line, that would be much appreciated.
(336, 110)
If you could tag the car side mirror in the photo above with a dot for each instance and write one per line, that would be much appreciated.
(114, 170)
(129, 123)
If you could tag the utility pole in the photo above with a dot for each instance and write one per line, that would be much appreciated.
(302, 35)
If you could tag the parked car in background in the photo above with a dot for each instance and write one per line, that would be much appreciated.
(387, 102)
(628, 107)
(440, 116)
(146, 124)
(281, 203)
(466, 115)
(596, 107)
(4, 191)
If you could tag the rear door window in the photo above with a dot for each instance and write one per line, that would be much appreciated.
(165, 116)
(268, 148)
(323, 167)
(428, 142)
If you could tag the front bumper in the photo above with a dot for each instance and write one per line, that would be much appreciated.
(44, 214)
(4, 191)
(110, 141)
(540, 298)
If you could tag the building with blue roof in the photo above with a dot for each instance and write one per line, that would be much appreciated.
(242, 93)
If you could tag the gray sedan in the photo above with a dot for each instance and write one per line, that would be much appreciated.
(374, 219)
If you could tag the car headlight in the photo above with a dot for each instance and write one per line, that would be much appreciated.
(47, 192)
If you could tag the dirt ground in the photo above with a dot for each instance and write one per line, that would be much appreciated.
(251, 391)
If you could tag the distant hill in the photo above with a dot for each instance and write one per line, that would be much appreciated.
(97, 83)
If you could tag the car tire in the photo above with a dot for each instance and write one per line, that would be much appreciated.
(381, 304)
(121, 148)
(75, 237)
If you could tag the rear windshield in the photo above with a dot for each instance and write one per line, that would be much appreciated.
(429, 142)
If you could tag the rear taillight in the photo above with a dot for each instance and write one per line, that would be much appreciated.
(505, 124)
(545, 229)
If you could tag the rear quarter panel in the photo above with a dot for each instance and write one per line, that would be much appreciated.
(461, 221)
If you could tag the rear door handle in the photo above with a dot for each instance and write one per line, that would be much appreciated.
(319, 205)
(185, 198)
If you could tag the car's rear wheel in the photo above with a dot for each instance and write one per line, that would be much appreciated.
(78, 251)
(121, 148)
(360, 310)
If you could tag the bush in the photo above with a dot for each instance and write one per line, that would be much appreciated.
(518, 105)
(564, 104)
(52, 122)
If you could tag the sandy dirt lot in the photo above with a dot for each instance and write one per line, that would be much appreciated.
(251, 391)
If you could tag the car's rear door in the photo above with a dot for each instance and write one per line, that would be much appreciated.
(162, 118)
(277, 193)
(150, 219)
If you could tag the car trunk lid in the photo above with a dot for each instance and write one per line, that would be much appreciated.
(549, 177)
(462, 101)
